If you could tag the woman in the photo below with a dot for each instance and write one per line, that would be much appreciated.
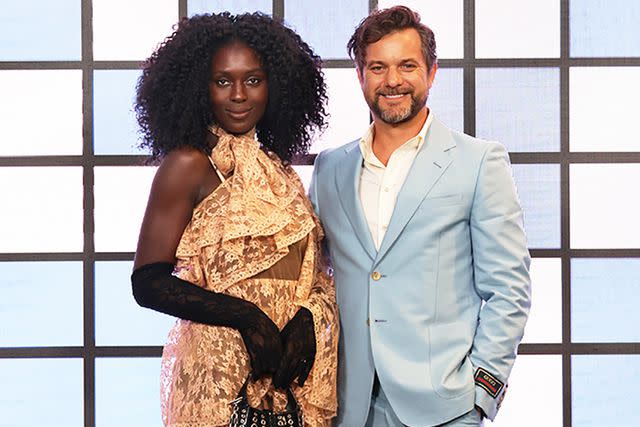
(229, 243)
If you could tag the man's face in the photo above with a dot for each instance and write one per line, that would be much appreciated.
(394, 79)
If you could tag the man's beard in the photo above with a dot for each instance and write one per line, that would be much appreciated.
(398, 114)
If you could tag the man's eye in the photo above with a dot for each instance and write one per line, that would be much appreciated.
(376, 68)
(223, 82)
(253, 81)
(408, 66)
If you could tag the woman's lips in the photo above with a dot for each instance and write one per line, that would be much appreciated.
(239, 115)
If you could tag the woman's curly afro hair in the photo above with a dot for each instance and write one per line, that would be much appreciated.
(172, 104)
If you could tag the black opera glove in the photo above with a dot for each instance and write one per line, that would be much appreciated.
(299, 342)
(155, 287)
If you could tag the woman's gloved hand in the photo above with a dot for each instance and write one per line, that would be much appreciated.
(299, 345)
(262, 340)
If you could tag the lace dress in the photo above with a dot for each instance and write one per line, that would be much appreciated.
(254, 237)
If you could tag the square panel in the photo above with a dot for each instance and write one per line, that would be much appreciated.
(115, 129)
(604, 206)
(444, 17)
(304, 172)
(47, 100)
(196, 7)
(131, 30)
(604, 390)
(520, 107)
(446, 97)
(604, 296)
(41, 392)
(326, 26)
(133, 387)
(517, 29)
(602, 108)
(539, 192)
(604, 28)
(41, 304)
(121, 194)
(41, 210)
(545, 319)
(535, 391)
(40, 30)
(349, 113)
(119, 319)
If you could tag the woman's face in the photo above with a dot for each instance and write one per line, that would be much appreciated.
(238, 89)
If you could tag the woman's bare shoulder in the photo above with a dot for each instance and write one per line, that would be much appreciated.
(184, 169)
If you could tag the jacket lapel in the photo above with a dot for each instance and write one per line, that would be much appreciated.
(347, 182)
(432, 160)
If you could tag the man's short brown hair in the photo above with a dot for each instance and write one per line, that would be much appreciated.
(386, 21)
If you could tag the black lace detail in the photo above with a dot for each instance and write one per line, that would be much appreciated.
(299, 341)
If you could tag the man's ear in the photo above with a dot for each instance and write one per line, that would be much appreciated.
(359, 73)
(432, 75)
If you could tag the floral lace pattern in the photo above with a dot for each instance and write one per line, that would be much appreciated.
(245, 227)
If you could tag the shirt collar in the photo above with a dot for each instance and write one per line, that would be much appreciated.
(366, 142)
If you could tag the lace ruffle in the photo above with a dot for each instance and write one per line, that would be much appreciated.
(246, 225)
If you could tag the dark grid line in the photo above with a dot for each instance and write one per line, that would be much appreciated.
(469, 71)
(605, 348)
(565, 238)
(605, 253)
(130, 160)
(88, 294)
(115, 256)
(373, 5)
(118, 65)
(544, 62)
(277, 10)
(337, 63)
(78, 352)
(41, 256)
(40, 65)
(41, 352)
(308, 159)
(128, 256)
(545, 253)
(36, 161)
(83, 160)
(346, 63)
(182, 9)
(584, 253)
(156, 351)
(129, 351)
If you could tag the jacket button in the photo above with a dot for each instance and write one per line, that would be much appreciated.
(368, 322)
(376, 275)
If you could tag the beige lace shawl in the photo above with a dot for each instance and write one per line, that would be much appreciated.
(238, 233)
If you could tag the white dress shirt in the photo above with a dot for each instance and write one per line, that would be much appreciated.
(380, 184)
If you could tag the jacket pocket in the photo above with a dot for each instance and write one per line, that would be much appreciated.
(451, 368)
(438, 200)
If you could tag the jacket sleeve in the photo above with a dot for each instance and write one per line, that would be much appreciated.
(501, 272)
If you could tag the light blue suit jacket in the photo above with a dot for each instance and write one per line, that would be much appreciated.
(413, 310)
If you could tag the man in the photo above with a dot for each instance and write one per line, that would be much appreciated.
(423, 225)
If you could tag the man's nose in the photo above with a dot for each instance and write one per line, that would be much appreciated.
(393, 77)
